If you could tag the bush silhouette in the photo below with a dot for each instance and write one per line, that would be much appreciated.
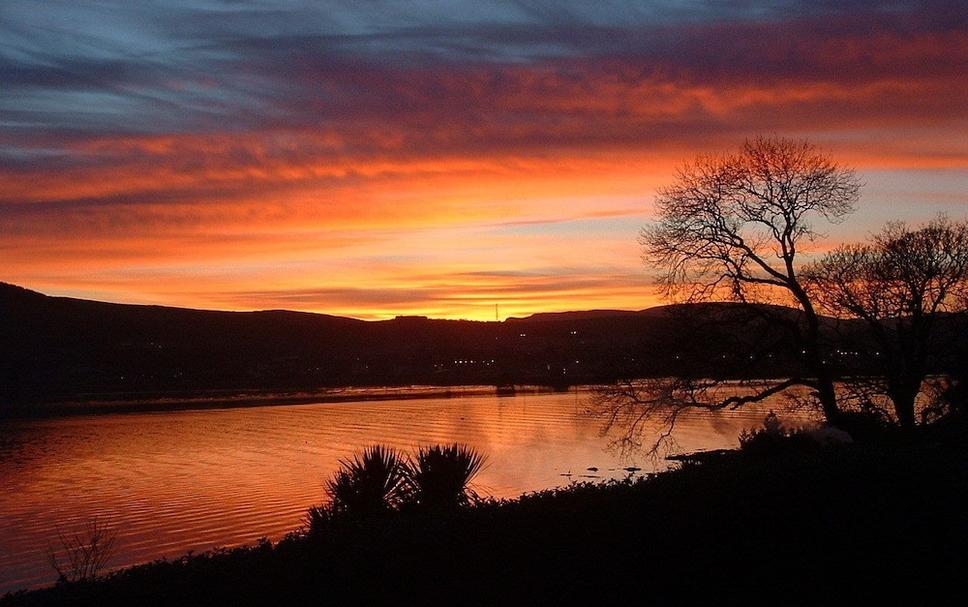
(370, 483)
(440, 475)
(773, 437)
(380, 480)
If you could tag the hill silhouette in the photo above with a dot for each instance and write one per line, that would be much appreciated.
(57, 349)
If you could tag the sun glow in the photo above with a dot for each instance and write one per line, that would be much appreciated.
(384, 180)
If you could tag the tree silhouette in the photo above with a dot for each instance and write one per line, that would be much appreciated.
(900, 284)
(732, 227)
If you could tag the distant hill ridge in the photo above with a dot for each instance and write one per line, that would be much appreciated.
(65, 349)
(10, 293)
(555, 316)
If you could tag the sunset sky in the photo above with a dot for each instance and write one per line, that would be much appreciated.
(379, 158)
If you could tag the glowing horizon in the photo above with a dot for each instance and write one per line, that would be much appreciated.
(371, 161)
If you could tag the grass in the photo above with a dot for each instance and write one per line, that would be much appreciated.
(834, 525)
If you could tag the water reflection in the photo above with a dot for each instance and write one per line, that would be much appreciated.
(190, 480)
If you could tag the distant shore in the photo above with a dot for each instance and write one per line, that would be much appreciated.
(225, 399)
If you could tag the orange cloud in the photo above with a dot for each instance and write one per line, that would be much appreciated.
(296, 174)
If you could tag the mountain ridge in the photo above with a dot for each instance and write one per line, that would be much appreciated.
(7, 288)
(61, 349)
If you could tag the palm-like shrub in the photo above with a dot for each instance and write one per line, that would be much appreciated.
(440, 475)
(317, 519)
(369, 483)
(379, 480)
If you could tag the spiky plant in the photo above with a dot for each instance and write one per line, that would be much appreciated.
(441, 475)
(317, 519)
(371, 482)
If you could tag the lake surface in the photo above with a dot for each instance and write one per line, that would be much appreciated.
(170, 482)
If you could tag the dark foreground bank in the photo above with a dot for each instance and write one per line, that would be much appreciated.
(799, 525)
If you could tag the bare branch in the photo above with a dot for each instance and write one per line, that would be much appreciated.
(84, 554)
(633, 409)
(726, 217)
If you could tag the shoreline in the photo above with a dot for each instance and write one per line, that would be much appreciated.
(226, 399)
(804, 509)
(108, 403)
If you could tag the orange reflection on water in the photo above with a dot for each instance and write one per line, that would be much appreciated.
(190, 480)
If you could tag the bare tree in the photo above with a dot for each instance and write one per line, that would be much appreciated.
(732, 227)
(82, 555)
(900, 284)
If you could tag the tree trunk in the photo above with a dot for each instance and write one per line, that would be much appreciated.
(904, 398)
(828, 399)
(826, 393)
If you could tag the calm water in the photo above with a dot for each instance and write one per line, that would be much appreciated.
(170, 482)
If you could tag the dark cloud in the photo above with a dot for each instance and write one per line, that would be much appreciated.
(190, 67)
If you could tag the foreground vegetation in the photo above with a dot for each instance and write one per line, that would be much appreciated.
(789, 522)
